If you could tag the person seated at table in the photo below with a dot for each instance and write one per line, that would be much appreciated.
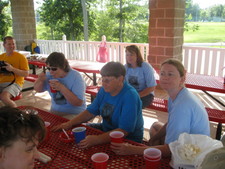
(65, 86)
(140, 75)
(186, 113)
(117, 103)
(13, 68)
(20, 134)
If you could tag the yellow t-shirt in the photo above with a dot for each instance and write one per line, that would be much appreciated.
(18, 61)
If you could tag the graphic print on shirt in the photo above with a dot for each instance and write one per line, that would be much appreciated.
(59, 98)
(133, 80)
(107, 112)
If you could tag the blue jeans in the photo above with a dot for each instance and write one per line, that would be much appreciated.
(147, 100)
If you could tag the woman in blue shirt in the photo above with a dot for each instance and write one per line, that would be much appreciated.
(140, 75)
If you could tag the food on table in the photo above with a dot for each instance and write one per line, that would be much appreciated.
(189, 151)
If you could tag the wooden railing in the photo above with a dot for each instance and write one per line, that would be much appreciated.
(199, 60)
(202, 60)
(87, 50)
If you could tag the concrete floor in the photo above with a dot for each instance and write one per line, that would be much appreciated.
(42, 101)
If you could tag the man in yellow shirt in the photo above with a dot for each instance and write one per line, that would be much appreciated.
(13, 68)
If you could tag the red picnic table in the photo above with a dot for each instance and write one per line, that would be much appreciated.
(69, 155)
(81, 66)
(203, 82)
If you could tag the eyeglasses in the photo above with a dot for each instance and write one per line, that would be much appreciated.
(52, 68)
(107, 80)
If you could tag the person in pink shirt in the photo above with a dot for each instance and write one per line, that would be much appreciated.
(102, 55)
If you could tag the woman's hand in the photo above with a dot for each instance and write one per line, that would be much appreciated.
(55, 84)
(42, 76)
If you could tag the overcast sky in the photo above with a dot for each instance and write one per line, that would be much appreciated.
(207, 3)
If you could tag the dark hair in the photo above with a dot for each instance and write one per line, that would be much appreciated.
(7, 38)
(135, 50)
(57, 59)
(115, 69)
(16, 124)
(176, 63)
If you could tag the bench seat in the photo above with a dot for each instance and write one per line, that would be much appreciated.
(31, 78)
(92, 90)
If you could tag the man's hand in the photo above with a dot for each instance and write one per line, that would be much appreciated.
(8, 67)
(89, 141)
(66, 125)
(121, 148)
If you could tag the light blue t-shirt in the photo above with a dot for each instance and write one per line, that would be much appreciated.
(75, 83)
(121, 111)
(141, 77)
(186, 114)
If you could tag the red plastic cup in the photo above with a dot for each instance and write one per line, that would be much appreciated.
(152, 164)
(116, 136)
(100, 160)
(65, 139)
(152, 158)
(52, 89)
(47, 126)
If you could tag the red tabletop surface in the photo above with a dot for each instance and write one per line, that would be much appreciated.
(69, 155)
(85, 66)
(81, 66)
(204, 82)
(38, 63)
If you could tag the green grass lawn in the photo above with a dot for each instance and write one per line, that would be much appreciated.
(209, 32)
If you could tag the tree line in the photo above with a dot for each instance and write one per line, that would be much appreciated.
(214, 13)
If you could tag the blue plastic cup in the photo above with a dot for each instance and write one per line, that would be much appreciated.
(79, 134)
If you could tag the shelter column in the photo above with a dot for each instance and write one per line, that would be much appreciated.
(24, 26)
(166, 26)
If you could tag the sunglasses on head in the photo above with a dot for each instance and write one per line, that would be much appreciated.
(52, 68)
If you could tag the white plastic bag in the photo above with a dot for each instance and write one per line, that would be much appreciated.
(190, 149)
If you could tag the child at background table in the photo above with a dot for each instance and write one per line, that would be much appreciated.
(185, 110)
(103, 55)
(140, 75)
(117, 103)
(20, 134)
(66, 86)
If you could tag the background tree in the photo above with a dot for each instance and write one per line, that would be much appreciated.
(64, 17)
(124, 21)
(190, 11)
(217, 11)
(85, 19)
(120, 21)
(5, 20)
